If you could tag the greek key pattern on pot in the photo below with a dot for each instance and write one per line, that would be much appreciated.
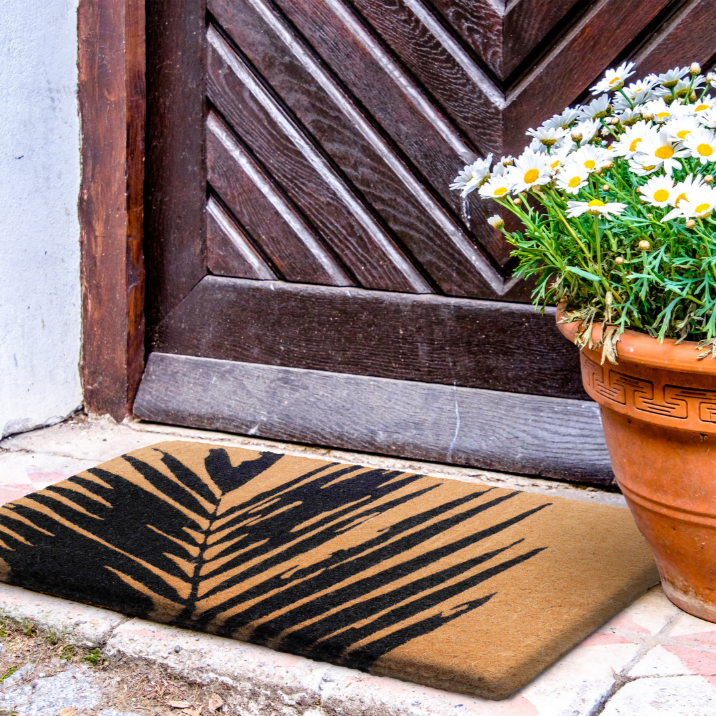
(671, 401)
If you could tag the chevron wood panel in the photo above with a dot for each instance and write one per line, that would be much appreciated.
(356, 114)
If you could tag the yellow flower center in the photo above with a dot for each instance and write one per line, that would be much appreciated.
(661, 195)
(531, 175)
(664, 152)
(682, 134)
(632, 146)
(701, 208)
(615, 80)
(590, 164)
(500, 191)
(701, 108)
(594, 206)
(648, 168)
(555, 164)
(705, 150)
(679, 198)
(663, 115)
(596, 202)
(574, 181)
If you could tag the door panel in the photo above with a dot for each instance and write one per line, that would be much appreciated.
(299, 217)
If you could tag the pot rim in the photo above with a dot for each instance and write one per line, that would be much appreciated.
(635, 347)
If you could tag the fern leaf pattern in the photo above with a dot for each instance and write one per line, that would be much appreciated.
(340, 563)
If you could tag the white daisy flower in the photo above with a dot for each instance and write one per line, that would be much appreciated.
(670, 78)
(557, 158)
(685, 87)
(627, 117)
(530, 169)
(472, 176)
(594, 207)
(614, 79)
(595, 109)
(587, 128)
(591, 158)
(500, 169)
(658, 191)
(708, 117)
(702, 105)
(701, 144)
(659, 149)
(563, 120)
(683, 192)
(682, 125)
(700, 204)
(640, 165)
(629, 142)
(661, 111)
(572, 177)
(549, 136)
(497, 187)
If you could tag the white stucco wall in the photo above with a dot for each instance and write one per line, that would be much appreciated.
(39, 229)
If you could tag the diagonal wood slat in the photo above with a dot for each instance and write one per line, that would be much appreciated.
(359, 112)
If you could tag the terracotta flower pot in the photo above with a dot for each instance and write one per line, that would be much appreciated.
(658, 409)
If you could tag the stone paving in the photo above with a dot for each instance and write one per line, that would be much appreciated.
(650, 659)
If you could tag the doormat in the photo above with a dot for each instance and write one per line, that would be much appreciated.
(451, 584)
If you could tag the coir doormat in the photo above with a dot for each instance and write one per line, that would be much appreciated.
(451, 584)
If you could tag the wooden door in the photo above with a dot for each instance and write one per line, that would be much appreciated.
(310, 275)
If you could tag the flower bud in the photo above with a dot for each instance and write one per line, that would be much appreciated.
(577, 136)
(644, 245)
(507, 161)
(608, 165)
(708, 179)
(496, 221)
(614, 120)
(695, 68)
(605, 187)
(619, 260)
(693, 96)
(647, 116)
(517, 201)
(690, 224)
(604, 132)
(650, 216)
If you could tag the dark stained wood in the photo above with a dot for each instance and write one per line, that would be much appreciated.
(416, 124)
(500, 431)
(347, 135)
(687, 37)
(527, 24)
(442, 66)
(575, 63)
(112, 102)
(229, 250)
(271, 219)
(481, 24)
(344, 221)
(482, 344)
(175, 169)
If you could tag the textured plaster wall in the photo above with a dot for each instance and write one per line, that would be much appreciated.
(39, 229)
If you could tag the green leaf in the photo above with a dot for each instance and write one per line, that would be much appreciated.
(583, 273)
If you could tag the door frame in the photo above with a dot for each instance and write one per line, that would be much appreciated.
(112, 105)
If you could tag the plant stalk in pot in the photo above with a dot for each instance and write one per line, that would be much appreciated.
(616, 200)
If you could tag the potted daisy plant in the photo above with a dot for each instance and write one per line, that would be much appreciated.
(616, 199)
